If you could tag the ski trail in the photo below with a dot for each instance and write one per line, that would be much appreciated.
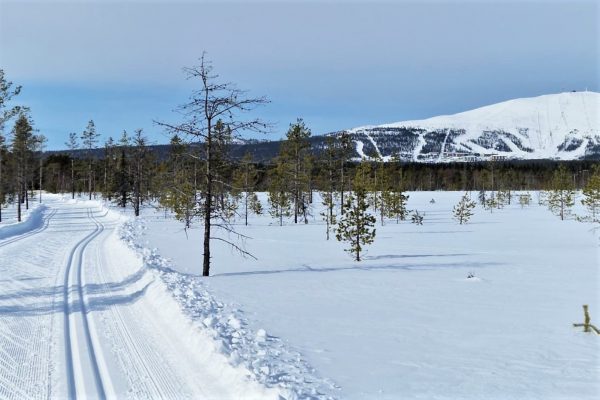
(443, 146)
(77, 330)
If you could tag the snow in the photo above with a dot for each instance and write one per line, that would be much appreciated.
(541, 123)
(304, 320)
(82, 316)
(406, 321)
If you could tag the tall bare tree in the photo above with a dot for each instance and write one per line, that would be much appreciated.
(211, 102)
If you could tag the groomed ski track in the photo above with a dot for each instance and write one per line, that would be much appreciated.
(77, 321)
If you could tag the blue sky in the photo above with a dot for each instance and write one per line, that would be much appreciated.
(337, 64)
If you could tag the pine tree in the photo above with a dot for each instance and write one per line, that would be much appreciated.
(244, 182)
(464, 209)
(280, 199)
(294, 152)
(254, 204)
(346, 147)
(72, 145)
(177, 185)
(328, 182)
(327, 214)
(356, 225)
(89, 138)
(417, 218)
(482, 198)
(524, 199)
(141, 169)
(591, 194)
(561, 196)
(110, 156)
(23, 139)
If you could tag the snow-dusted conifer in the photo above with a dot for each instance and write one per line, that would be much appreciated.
(254, 204)
(356, 225)
(464, 209)
(524, 199)
(591, 194)
(280, 198)
(561, 196)
(417, 218)
(396, 205)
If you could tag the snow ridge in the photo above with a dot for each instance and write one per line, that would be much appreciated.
(265, 356)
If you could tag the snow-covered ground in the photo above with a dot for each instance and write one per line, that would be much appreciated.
(94, 302)
(81, 317)
(406, 322)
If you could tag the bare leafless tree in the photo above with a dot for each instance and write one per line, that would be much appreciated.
(212, 103)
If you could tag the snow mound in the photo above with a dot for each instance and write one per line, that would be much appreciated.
(31, 219)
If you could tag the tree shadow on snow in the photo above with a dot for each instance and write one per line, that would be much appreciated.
(99, 297)
(406, 267)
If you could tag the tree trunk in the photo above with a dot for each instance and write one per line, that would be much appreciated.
(41, 171)
(19, 205)
(207, 204)
(72, 179)
(90, 179)
(342, 189)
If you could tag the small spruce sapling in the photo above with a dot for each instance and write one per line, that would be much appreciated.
(464, 209)
(561, 196)
(591, 194)
(417, 218)
(524, 199)
(254, 204)
(356, 225)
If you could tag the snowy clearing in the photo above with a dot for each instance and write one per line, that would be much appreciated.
(406, 321)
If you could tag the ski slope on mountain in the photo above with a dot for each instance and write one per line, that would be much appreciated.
(80, 317)
(564, 126)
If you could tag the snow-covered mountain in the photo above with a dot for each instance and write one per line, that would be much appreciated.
(557, 126)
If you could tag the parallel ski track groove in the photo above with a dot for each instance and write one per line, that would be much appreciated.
(79, 248)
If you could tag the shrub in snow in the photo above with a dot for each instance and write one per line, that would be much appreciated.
(417, 218)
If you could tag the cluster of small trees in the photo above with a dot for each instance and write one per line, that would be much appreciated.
(20, 150)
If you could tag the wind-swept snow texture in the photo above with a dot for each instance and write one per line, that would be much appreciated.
(562, 126)
(81, 317)
(407, 322)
